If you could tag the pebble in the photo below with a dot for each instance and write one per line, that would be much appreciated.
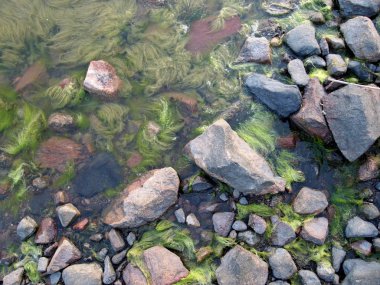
(131, 238)
(42, 264)
(67, 213)
(223, 197)
(233, 234)
(362, 246)
(192, 220)
(239, 226)
(249, 237)
(60, 198)
(116, 240)
(257, 223)
(180, 216)
(101, 255)
(119, 257)
(338, 256)
(40, 183)
(326, 272)
(243, 201)
(109, 274)
(96, 237)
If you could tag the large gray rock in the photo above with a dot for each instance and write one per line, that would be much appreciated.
(83, 274)
(365, 273)
(221, 153)
(367, 8)
(255, 50)
(309, 201)
(144, 200)
(239, 266)
(362, 38)
(358, 228)
(14, 278)
(281, 98)
(282, 264)
(302, 40)
(26, 227)
(353, 115)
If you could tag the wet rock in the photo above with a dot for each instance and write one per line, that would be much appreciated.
(47, 231)
(352, 115)
(350, 8)
(369, 169)
(283, 99)
(102, 172)
(376, 244)
(116, 240)
(279, 7)
(180, 216)
(363, 273)
(315, 230)
(336, 43)
(338, 256)
(255, 50)
(14, 277)
(102, 80)
(370, 211)
(243, 201)
(193, 221)
(282, 264)
(61, 122)
(131, 238)
(310, 117)
(324, 47)
(239, 226)
(53, 279)
(43, 263)
(83, 274)
(223, 222)
(336, 66)
(362, 246)
(119, 257)
(361, 71)
(49, 251)
(308, 277)
(302, 40)
(96, 237)
(298, 73)
(239, 266)
(26, 227)
(326, 272)
(60, 198)
(309, 201)
(257, 223)
(66, 254)
(81, 225)
(358, 228)
(40, 183)
(144, 200)
(314, 61)
(133, 276)
(221, 153)
(203, 253)
(282, 234)
(67, 213)
(57, 152)
(249, 237)
(362, 38)
(109, 275)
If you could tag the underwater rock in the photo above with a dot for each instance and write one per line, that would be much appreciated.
(269, 28)
(26, 227)
(279, 7)
(325, 271)
(134, 160)
(302, 40)
(47, 231)
(369, 169)
(102, 80)
(349, 8)
(282, 264)
(315, 230)
(67, 213)
(222, 222)
(362, 38)
(33, 73)
(144, 200)
(352, 113)
(239, 266)
(100, 173)
(40, 183)
(81, 225)
(58, 152)
(309, 201)
(14, 278)
(116, 239)
(222, 154)
(283, 99)
(61, 122)
(362, 273)
(83, 274)
(256, 50)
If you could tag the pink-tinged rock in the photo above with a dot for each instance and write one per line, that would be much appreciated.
(47, 232)
(369, 169)
(287, 142)
(61, 122)
(315, 230)
(310, 201)
(102, 80)
(362, 246)
(81, 225)
(133, 276)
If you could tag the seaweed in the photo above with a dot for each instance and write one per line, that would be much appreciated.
(319, 6)
(319, 73)
(66, 176)
(31, 253)
(188, 11)
(284, 165)
(201, 274)
(231, 9)
(219, 244)
(8, 99)
(292, 218)
(259, 209)
(67, 93)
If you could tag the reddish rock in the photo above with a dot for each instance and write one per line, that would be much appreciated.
(4, 189)
(187, 101)
(362, 246)
(36, 71)
(47, 231)
(81, 225)
(202, 39)
(287, 142)
(133, 276)
(134, 160)
(61, 122)
(369, 170)
(57, 152)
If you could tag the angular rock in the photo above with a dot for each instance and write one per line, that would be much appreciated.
(362, 38)
(131, 238)
(338, 256)
(308, 277)
(109, 275)
(102, 80)
(369, 169)
(335, 43)
(362, 246)
(283, 99)
(26, 227)
(358, 228)
(116, 240)
(67, 213)
(133, 276)
(282, 234)
(43, 263)
(367, 273)
(221, 153)
(368, 8)
(144, 200)
(239, 266)
(257, 223)
(352, 113)
(83, 274)
(180, 216)
(282, 264)
(298, 73)
(302, 40)
(14, 278)
(315, 230)
(256, 50)
(47, 231)
(223, 222)
(336, 66)
(309, 201)
(193, 221)
(326, 272)
(61, 122)
(54, 278)
(66, 254)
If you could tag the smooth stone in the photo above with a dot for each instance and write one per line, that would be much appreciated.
(131, 238)
(239, 226)
(298, 73)
(67, 213)
(338, 256)
(193, 221)
(119, 257)
(358, 228)
(302, 40)
(116, 239)
(308, 277)
(257, 223)
(109, 275)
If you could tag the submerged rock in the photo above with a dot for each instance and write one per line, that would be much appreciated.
(61, 122)
(221, 153)
(26, 227)
(144, 200)
(302, 40)
(222, 222)
(279, 7)
(83, 274)
(255, 50)
(367, 8)
(67, 213)
(47, 231)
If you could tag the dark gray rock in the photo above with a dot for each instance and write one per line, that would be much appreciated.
(119, 257)
(361, 71)
(309, 201)
(298, 73)
(338, 256)
(26, 227)
(282, 234)
(324, 47)
(83, 274)
(256, 50)
(366, 273)
(282, 264)
(281, 98)
(352, 113)
(367, 8)
(309, 277)
(358, 228)
(336, 66)
(302, 40)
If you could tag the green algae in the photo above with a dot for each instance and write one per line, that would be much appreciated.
(285, 163)
(259, 209)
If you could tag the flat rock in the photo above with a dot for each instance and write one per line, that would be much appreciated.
(302, 40)
(308, 277)
(26, 227)
(222, 154)
(47, 231)
(315, 230)
(368, 8)
(358, 228)
(298, 73)
(353, 114)
(14, 278)
(83, 274)
(67, 213)
(309, 201)
(256, 50)
(144, 200)
(282, 264)
(239, 266)
(281, 98)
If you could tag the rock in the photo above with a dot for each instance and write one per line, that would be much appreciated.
(282, 264)
(26, 227)
(349, 264)
(315, 230)
(302, 40)
(310, 117)
(203, 253)
(257, 223)
(336, 66)
(239, 266)
(376, 244)
(338, 255)
(255, 50)
(96, 237)
(314, 61)
(66, 254)
(61, 122)
(102, 172)
(369, 170)
(282, 234)
(192, 220)
(249, 237)
(361, 70)
(33, 73)
(49, 251)
(367, 273)
(42, 265)
(298, 73)
(279, 7)
(358, 228)
(223, 222)
(14, 277)
(47, 231)
(309, 201)
(56, 153)
(101, 255)
(316, 18)
(362, 247)
(308, 277)
(53, 279)
(67, 213)
(221, 153)
(116, 240)
(362, 38)
(283, 99)
(368, 8)
(336, 43)
(133, 276)
(131, 238)
(102, 80)
(279, 282)
(324, 47)
(243, 201)
(144, 200)
(199, 184)
(81, 225)
(239, 226)
(326, 272)
(109, 275)
(352, 115)
(83, 274)
(224, 197)
(119, 257)
(40, 183)
(370, 211)
(180, 216)
(60, 198)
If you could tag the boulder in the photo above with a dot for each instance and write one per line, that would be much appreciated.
(83, 274)
(283, 99)
(298, 73)
(302, 40)
(282, 264)
(350, 8)
(315, 230)
(352, 113)
(26, 227)
(144, 200)
(367, 273)
(239, 266)
(309, 201)
(256, 50)
(47, 231)
(358, 228)
(362, 38)
(221, 153)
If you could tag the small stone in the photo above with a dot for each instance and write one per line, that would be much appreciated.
(233, 234)
(49, 251)
(26, 227)
(369, 169)
(282, 264)
(309, 277)
(102, 254)
(249, 237)
(302, 40)
(81, 225)
(222, 222)
(192, 220)
(83, 274)
(96, 237)
(42, 264)
(336, 43)
(243, 201)
(180, 216)
(279, 282)
(119, 257)
(376, 244)
(338, 256)
(363, 247)
(223, 197)
(61, 122)
(255, 50)
(314, 62)
(200, 184)
(309, 201)
(14, 277)
(236, 194)
(315, 230)
(282, 234)
(203, 253)
(109, 275)
(257, 223)
(47, 231)
(67, 213)
(370, 211)
(60, 198)
(116, 240)
(239, 226)
(324, 47)
(326, 272)
(336, 66)
(54, 278)
(131, 238)
(358, 228)
(40, 183)
(298, 73)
